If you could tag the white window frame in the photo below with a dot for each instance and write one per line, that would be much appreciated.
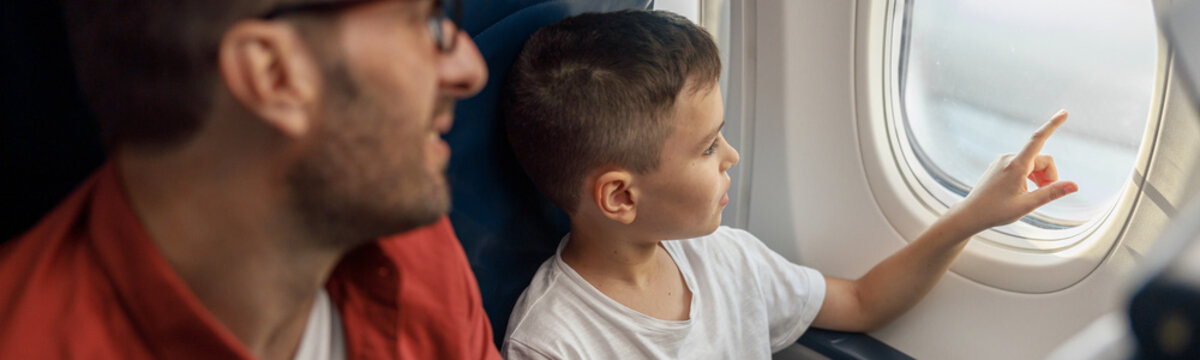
(1019, 257)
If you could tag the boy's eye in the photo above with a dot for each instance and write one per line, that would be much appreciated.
(712, 148)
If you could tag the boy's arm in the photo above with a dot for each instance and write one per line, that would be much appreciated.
(896, 284)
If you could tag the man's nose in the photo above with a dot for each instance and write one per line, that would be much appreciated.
(462, 72)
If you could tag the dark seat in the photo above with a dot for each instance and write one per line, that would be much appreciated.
(48, 141)
(506, 227)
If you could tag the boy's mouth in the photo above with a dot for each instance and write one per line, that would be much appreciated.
(725, 194)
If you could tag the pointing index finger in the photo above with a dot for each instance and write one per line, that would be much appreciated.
(1039, 137)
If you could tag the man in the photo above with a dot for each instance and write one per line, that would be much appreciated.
(259, 150)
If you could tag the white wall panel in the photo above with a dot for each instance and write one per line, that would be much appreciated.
(809, 196)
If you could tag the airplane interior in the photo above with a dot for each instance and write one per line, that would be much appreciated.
(859, 123)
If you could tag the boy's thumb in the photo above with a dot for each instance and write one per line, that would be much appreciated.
(1044, 195)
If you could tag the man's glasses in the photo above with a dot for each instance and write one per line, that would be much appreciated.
(442, 24)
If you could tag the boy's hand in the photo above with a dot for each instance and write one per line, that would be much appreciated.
(1002, 197)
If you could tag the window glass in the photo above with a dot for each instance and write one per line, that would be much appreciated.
(688, 8)
(978, 77)
(714, 17)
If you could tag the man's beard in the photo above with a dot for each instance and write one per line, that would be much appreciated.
(354, 186)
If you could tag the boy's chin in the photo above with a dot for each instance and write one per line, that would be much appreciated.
(706, 230)
(713, 227)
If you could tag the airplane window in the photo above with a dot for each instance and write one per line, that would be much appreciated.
(977, 77)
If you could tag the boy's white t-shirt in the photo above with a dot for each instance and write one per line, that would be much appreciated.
(747, 303)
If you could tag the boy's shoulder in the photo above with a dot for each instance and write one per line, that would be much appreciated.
(540, 305)
(546, 312)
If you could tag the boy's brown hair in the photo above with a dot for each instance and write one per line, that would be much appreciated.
(595, 89)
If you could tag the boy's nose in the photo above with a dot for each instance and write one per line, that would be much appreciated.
(731, 160)
(462, 72)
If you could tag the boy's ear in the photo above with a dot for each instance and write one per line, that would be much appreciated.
(615, 197)
(269, 70)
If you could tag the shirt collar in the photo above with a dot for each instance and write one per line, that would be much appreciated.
(162, 307)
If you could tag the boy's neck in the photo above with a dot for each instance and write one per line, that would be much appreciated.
(634, 271)
(613, 254)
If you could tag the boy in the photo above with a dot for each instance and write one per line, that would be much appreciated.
(617, 119)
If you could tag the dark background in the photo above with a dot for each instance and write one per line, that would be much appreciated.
(48, 141)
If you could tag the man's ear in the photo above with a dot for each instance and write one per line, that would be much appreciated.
(614, 195)
(269, 70)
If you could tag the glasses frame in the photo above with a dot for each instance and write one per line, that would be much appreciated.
(444, 39)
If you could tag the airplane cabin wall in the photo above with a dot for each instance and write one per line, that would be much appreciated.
(798, 75)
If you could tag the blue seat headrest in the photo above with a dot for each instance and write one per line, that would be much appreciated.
(505, 225)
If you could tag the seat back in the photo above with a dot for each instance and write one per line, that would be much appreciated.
(49, 143)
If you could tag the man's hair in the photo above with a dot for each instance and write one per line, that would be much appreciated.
(149, 67)
(594, 90)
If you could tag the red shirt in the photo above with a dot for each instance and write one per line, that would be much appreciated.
(87, 282)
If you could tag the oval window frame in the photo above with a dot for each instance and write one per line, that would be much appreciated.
(1020, 257)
